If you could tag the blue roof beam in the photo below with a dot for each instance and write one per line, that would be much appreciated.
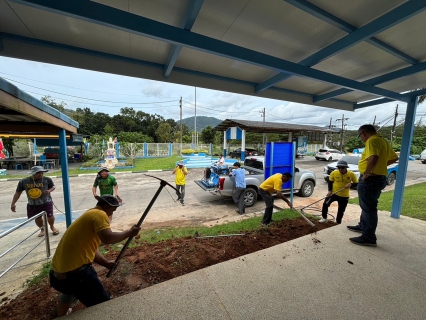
(376, 102)
(355, 35)
(192, 10)
(377, 80)
(344, 26)
(103, 15)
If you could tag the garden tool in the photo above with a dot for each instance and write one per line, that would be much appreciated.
(163, 183)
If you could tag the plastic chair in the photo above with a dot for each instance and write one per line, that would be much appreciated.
(19, 165)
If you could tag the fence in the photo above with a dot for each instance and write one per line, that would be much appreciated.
(145, 150)
(46, 239)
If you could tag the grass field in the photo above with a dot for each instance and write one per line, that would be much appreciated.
(413, 205)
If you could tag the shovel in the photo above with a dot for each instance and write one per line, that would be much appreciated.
(314, 227)
(163, 183)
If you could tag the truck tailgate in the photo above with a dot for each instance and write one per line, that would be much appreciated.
(204, 187)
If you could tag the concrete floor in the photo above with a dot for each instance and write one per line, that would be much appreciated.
(314, 277)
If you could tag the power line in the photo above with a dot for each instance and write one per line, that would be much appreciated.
(69, 95)
(101, 105)
(62, 85)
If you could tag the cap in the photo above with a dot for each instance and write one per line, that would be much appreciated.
(342, 164)
(103, 169)
(237, 164)
(180, 163)
(109, 199)
(37, 169)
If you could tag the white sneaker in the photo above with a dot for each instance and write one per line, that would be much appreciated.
(323, 220)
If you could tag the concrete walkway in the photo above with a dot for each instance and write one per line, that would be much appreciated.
(321, 276)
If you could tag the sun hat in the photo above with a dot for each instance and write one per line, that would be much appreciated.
(109, 199)
(237, 164)
(180, 163)
(342, 164)
(37, 169)
(103, 169)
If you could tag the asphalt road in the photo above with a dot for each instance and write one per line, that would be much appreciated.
(136, 190)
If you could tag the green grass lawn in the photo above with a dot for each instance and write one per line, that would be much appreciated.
(246, 225)
(413, 205)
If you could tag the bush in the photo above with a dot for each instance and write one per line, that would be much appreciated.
(89, 164)
(129, 162)
(189, 151)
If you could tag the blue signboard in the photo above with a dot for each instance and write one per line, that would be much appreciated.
(279, 158)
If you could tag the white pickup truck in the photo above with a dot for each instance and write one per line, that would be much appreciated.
(303, 181)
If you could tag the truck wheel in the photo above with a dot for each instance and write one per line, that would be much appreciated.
(307, 188)
(250, 197)
(391, 179)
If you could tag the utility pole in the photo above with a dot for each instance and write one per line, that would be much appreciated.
(263, 115)
(342, 132)
(394, 125)
(180, 124)
(329, 135)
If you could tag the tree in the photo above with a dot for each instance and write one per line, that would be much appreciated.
(51, 102)
(109, 130)
(208, 135)
(133, 137)
(8, 145)
(164, 132)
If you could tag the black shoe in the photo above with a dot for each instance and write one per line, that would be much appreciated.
(363, 241)
(355, 228)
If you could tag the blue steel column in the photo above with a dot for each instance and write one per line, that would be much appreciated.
(407, 136)
(65, 176)
(293, 160)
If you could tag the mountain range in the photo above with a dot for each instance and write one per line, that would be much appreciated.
(202, 122)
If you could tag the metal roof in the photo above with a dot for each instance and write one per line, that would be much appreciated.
(267, 127)
(331, 53)
(22, 115)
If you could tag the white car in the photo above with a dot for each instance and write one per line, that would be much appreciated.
(329, 154)
(423, 156)
(352, 161)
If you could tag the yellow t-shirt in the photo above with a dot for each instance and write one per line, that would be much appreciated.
(273, 183)
(180, 176)
(341, 180)
(80, 242)
(377, 146)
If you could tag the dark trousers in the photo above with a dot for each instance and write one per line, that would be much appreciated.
(238, 197)
(84, 285)
(181, 189)
(342, 204)
(269, 202)
(369, 193)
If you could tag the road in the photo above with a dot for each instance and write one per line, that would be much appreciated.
(136, 190)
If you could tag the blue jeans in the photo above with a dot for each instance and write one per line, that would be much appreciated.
(84, 285)
(369, 193)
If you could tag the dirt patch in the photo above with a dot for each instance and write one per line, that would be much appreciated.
(149, 264)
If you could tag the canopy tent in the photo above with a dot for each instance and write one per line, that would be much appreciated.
(23, 116)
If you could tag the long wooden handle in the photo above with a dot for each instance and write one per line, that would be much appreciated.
(162, 185)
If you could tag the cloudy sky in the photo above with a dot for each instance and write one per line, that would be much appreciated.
(107, 93)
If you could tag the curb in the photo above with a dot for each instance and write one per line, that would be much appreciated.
(92, 174)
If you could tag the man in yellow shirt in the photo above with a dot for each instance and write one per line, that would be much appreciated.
(339, 179)
(273, 184)
(180, 181)
(377, 155)
(72, 273)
